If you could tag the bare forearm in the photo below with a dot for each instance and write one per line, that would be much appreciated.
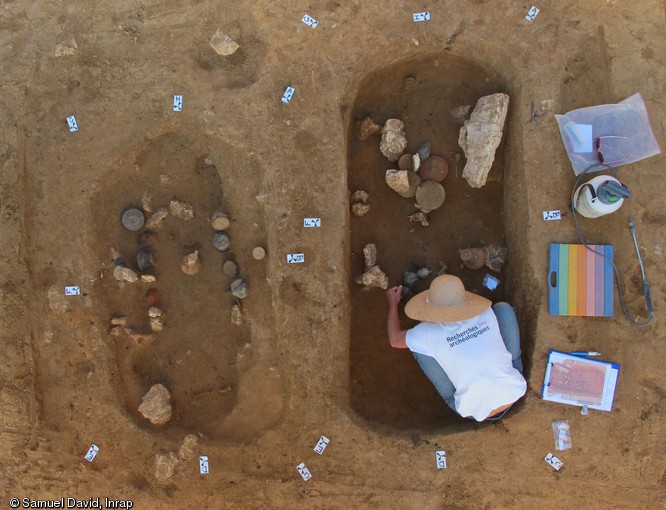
(397, 336)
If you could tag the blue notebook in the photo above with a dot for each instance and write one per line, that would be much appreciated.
(579, 381)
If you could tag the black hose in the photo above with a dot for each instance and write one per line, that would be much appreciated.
(646, 287)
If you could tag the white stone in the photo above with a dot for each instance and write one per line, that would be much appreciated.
(165, 465)
(222, 43)
(374, 277)
(359, 209)
(393, 142)
(156, 324)
(156, 405)
(370, 254)
(236, 315)
(360, 196)
(181, 210)
(124, 274)
(481, 135)
(188, 448)
(147, 202)
(420, 217)
(119, 321)
(155, 221)
(398, 180)
(66, 47)
(365, 128)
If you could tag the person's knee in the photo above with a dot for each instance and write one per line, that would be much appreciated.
(503, 306)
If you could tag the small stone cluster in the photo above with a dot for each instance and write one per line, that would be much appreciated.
(417, 175)
(219, 222)
(359, 203)
(492, 256)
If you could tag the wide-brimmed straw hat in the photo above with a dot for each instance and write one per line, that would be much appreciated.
(446, 301)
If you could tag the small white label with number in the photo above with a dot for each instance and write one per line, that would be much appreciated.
(309, 21)
(532, 13)
(295, 258)
(288, 94)
(203, 464)
(177, 103)
(72, 291)
(304, 471)
(92, 452)
(440, 458)
(311, 222)
(421, 16)
(71, 122)
(552, 215)
(322, 444)
(553, 461)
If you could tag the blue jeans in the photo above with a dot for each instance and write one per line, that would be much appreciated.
(508, 326)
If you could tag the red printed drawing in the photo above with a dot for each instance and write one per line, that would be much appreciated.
(578, 381)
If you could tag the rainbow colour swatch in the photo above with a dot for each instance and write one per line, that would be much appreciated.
(580, 282)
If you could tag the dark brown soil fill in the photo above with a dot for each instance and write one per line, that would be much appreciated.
(387, 384)
(195, 354)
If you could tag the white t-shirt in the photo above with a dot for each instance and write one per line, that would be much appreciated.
(473, 355)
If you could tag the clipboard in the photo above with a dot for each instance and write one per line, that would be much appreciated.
(579, 381)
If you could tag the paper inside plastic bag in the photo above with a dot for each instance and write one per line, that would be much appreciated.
(562, 435)
(621, 134)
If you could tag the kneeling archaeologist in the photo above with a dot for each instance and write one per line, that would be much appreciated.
(469, 350)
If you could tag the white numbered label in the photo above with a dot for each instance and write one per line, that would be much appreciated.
(295, 258)
(309, 21)
(304, 471)
(92, 452)
(421, 16)
(440, 458)
(177, 103)
(532, 13)
(552, 215)
(553, 461)
(322, 444)
(311, 222)
(71, 122)
(203, 464)
(72, 291)
(288, 94)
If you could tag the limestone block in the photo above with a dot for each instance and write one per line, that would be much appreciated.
(156, 405)
(398, 180)
(359, 209)
(393, 142)
(481, 135)
(222, 43)
(374, 277)
(165, 465)
(366, 128)
(155, 221)
(189, 447)
(370, 254)
(181, 210)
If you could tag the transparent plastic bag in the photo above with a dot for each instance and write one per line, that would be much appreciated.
(620, 134)
(562, 435)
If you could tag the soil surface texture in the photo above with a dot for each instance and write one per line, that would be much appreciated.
(256, 380)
